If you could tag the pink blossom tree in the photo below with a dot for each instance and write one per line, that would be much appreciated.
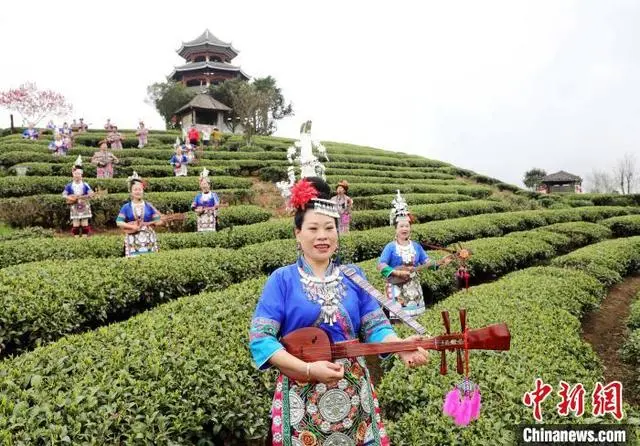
(34, 104)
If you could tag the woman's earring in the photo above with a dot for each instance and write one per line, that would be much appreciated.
(298, 249)
(337, 257)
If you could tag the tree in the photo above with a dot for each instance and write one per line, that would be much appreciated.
(533, 177)
(168, 97)
(224, 92)
(601, 182)
(256, 105)
(625, 172)
(33, 104)
(277, 106)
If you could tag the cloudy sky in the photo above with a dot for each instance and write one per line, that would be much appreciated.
(494, 86)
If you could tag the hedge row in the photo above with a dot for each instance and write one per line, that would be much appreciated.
(630, 350)
(15, 157)
(238, 168)
(425, 173)
(542, 307)
(230, 143)
(51, 211)
(364, 189)
(496, 256)
(30, 232)
(605, 199)
(143, 156)
(624, 226)
(185, 347)
(355, 178)
(607, 261)
(180, 374)
(428, 212)
(264, 257)
(366, 244)
(373, 202)
(37, 283)
(25, 186)
(634, 317)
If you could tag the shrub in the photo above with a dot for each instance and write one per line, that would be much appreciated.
(634, 317)
(25, 186)
(30, 232)
(178, 356)
(51, 211)
(365, 244)
(48, 303)
(428, 212)
(624, 226)
(364, 189)
(542, 307)
(373, 202)
(608, 261)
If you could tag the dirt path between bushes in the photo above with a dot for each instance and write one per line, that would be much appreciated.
(606, 330)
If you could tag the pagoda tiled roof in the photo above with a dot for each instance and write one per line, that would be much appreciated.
(195, 66)
(207, 38)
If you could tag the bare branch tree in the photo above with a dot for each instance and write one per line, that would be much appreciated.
(600, 181)
(625, 172)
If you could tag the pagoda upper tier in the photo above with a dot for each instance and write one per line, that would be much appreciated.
(208, 61)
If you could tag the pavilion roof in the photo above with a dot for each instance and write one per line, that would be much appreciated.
(204, 101)
(561, 176)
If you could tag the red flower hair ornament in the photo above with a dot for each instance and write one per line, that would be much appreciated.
(301, 194)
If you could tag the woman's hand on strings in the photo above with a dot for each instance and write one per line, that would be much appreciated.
(403, 274)
(446, 260)
(415, 358)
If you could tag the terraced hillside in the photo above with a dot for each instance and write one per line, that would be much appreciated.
(98, 349)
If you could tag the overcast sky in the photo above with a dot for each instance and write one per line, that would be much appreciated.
(494, 86)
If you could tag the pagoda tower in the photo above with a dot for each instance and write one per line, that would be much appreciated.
(208, 62)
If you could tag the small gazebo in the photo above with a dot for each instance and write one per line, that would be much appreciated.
(203, 110)
(560, 182)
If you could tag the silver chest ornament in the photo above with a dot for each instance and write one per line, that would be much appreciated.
(327, 292)
(406, 252)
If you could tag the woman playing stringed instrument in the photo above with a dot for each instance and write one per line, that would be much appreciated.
(331, 402)
(137, 218)
(402, 259)
(206, 205)
(104, 160)
(77, 194)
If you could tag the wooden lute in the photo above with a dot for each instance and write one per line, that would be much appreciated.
(73, 199)
(165, 218)
(313, 344)
(461, 254)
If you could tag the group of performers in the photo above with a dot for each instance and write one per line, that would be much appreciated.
(332, 403)
(137, 217)
(335, 403)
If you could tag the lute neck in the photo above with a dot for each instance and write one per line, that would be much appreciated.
(351, 350)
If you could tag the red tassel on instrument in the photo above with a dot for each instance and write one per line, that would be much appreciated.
(462, 277)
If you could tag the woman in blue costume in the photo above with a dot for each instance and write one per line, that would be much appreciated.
(137, 218)
(401, 260)
(206, 205)
(179, 162)
(337, 404)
